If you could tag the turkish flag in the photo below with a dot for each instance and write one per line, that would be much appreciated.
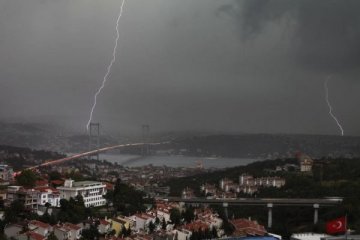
(336, 226)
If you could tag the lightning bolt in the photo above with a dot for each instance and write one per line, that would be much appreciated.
(109, 66)
(330, 107)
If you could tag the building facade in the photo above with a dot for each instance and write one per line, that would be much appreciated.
(91, 191)
(6, 173)
(48, 195)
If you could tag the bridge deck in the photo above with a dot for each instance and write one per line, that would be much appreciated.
(263, 201)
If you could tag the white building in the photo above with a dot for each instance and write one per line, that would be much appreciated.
(182, 234)
(163, 213)
(250, 181)
(67, 231)
(48, 195)
(104, 226)
(91, 191)
(142, 220)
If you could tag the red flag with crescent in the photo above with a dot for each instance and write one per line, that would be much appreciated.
(336, 226)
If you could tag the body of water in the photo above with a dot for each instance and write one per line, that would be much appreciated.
(175, 161)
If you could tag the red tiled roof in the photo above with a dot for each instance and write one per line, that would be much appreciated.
(72, 226)
(118, 220)
(39, 224)
(67, 227)
(196, 226)
(41, 183)
(35, 236)
(144, 216)
(47, 189)
(247, 227)
(57, 182)
(103, 222)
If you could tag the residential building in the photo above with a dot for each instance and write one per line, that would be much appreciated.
(118, 224)
(163, 213)
(91, 191)
(48, 195)
(39, 227)
(245, 227)
(208, 189)
(6, 173)
(142, 220)
(209, 217)
(31, 236)
(182, 234)
(224, 182)
(29, 197)
(67, 231)
(187, 193)
(196, 226)
(246, 180)
(104, 226)
(305, 162)
(13, 230)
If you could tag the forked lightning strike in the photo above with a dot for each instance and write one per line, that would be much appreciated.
(109, 66)
(330, 107)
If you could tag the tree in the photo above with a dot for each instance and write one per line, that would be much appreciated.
(163, 224)
(126, 199)
(188, 214)
(79, 200)
(151, 227)
(27, 178)
(73, 210)
(123, 231)
(13, 211)
(214, 232)
(52, 236)
(64, 204)
(227, 227)
(175, 216)
(91, 233)
(54, 175)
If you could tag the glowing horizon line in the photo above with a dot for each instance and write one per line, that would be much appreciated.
(108, 67)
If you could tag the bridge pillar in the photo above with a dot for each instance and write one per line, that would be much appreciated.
(316, 213)
(225, 205)
(269, 206)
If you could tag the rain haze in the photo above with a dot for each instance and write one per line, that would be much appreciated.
(254, 66)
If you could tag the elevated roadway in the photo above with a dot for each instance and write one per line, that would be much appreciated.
(262, 201)
(316, 203)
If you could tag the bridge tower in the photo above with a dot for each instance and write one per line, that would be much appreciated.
(145, 149)
(94, 137)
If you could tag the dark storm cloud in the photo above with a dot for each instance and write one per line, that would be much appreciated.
(325, 34)
(181, 64)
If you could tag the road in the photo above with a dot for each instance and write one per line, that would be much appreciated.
(263, 201)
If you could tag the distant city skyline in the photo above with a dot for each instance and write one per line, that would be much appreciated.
(248, 66)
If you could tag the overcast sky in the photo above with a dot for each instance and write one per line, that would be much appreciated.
(252, 66)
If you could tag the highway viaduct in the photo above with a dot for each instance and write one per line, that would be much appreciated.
(316, 203)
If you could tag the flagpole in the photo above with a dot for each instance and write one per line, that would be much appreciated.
(346, 227)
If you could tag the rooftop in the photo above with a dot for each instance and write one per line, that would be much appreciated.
(39, 224)
(86, 183)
